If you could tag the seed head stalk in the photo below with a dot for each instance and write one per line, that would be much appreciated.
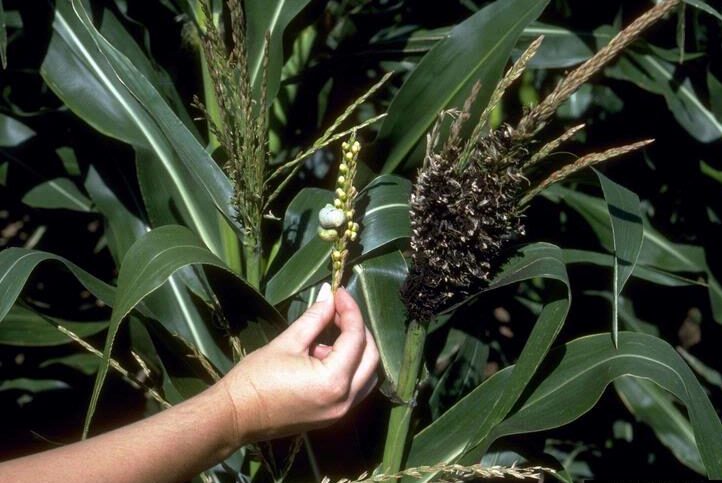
(239, 123)
(336, 221)
(345, 197)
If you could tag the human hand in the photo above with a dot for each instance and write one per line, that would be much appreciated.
(293, 384)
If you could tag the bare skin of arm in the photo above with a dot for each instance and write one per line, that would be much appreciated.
(289, 386)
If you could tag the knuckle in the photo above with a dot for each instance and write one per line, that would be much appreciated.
(340, 410)
(313, 313)
(336, 388)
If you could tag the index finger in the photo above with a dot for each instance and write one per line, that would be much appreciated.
(346, 352)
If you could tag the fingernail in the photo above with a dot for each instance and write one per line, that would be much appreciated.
(325, 293)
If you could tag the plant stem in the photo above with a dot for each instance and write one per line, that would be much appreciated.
(397, 435)
(252, 260)
(210, 101)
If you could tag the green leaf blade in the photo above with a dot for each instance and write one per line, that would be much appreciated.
(58, 193)
(628, 234)
(476, 49)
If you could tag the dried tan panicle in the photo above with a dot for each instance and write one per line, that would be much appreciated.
(115, 365)
(552, 146)
(581, 163)
(514, 72)
(454, 473)
(331, 134)
(537, 117)
(312, 150)
(461, 117)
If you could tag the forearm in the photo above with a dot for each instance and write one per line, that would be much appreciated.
(171, 446)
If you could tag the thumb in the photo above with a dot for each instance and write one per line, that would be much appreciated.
(306, 329)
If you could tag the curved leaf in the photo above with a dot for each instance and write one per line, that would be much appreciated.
(85, 363)
(171, 303)
(119, 104)
(300, 223)
(660, 77)
(562, 47)
(652, 406)
(272, 17)
(16, 265)
(75, 79)
(32, 385)
(147, 265)
(649, 274)
(656, 253)
(475, 50)
(702, 5)
(375, 284)
(571, 382)
(24, 328)
(192, 155)
(577, 373)
(59, 193)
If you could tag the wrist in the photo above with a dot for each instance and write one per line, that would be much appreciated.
(246, 406)
(220, 419)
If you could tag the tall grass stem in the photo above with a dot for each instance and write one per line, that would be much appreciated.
(397, 436)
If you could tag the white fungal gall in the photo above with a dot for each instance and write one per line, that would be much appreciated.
(331, 217)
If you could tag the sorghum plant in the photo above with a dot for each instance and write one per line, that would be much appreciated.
(217, 232)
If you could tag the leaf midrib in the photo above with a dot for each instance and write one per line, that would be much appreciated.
(605, 360)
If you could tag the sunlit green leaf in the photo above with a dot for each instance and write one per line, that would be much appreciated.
(577, 374)
(171, 303)
(627, 233)
(475, 50)
(24, 328)
(652, 406)
(376, 284)
(58, 193)
(13, 132)
(272, 17)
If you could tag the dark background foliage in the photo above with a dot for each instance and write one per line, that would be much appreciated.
(679, 198)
